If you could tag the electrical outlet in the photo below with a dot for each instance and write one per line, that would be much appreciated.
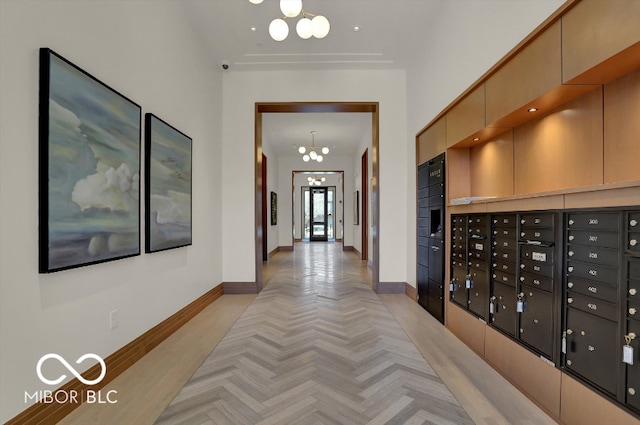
(113, 319)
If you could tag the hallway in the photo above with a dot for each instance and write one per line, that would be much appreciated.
(316, 346)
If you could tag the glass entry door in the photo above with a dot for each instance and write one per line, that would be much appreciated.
(319, 214)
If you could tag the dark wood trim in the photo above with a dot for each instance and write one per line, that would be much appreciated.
(260, 228)
(349, 248)
(273, 252)
(411, 292)
(285, 248)
(241, 287)
(391, 287)
(118, 362)
(364, 210)
(302, 107)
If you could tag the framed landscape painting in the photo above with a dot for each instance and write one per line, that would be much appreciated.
(168, 186)
(89, 165)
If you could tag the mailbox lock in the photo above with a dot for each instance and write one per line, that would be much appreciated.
(632, 391)
(569, 362)
(571, 222)
(569, 331)
(570, 253)
(582, 333)
(633, 291)
(632, 310)
(570, 300)
(633, 242)
(633, 223)
(570, 284)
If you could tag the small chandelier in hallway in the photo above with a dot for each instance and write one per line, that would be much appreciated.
(314, 181)
(309, 25)
(312, 155)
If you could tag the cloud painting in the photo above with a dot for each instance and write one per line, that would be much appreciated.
(168, 186)
(89, 169)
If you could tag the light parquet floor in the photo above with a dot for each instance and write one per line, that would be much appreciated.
(317, 346)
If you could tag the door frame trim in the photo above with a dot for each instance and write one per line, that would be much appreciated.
(302, 107)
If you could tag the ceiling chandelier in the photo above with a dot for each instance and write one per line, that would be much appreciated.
(309, 25)
(314, 181)
(312, 155)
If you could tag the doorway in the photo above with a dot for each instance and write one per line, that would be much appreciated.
(309, 107)
(318, 214)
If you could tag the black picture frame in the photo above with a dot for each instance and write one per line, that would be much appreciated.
(168, 186)
(89, 168)
(274, 208)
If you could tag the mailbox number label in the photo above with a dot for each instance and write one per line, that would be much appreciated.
(593, 221)
(539, 256)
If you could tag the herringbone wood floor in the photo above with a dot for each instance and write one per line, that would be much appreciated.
(177, 368)
(317, 346)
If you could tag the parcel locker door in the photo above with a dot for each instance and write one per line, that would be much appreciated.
(633, 371)
(479, 294)
(435, 304)
(505, 316)
(457, 289)
(591, 349)
(536, 322)
(436, 259)
(423, 284)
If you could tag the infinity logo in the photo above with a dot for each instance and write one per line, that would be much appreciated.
(71, 369)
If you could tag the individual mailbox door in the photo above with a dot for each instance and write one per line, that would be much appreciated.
(536, 234)
(593, 238)
(593, 288)
(596, 220)
(593, 272)
(505, 316)
(592, 254)
(592, 349)
(537, 220)
(536, 323)
(600, 308)
(505, 220)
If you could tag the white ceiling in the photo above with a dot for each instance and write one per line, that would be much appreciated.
(388, 37)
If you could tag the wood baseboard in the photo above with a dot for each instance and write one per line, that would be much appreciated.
(285, 248)
(391, 287)
(240, 287)
(349, 248)
(48, 413)
(411, 292)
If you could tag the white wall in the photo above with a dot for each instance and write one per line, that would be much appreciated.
(478, 35)
(243, 89)
(273, 186)
(145, 50)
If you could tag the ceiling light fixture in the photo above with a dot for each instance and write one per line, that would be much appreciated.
(312, 155)
(314, 181)
(309, 25)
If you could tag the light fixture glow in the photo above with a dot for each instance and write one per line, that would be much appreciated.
(320, 26)
(303, 28)
(291, 8)
(532, 110)
(325, 150)
(309, 25)
(278, 29)
(302, 149)
(475, 139)
(319, 158)
(306, 158)
(313, 155)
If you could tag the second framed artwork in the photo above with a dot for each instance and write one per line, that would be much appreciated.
(168, 157)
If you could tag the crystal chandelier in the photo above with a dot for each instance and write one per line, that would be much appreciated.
(312, 154)
(309, 25)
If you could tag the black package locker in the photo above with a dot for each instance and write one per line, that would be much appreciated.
(431, 213)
